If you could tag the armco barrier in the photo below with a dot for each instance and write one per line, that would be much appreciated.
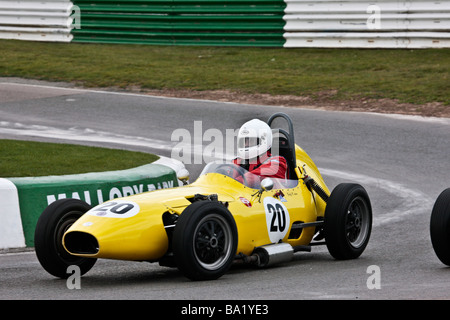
(274, 23)
(182, 22)
(25, 198)
(36, 20)
(367, 24)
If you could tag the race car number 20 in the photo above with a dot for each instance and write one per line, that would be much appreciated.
(115, 209)
(277, 219)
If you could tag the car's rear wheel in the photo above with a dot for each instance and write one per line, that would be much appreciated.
(440, 227)
(348, 221)
(54, 221)
(205, 240)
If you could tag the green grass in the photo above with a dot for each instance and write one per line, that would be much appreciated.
(33, 159)
(415, 76)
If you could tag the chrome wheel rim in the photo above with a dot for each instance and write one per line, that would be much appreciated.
(357, 224)
(212, 242)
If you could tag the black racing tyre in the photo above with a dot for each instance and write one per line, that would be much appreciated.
(53, 222)
(205, 240)
(348, 221)
(440, 227)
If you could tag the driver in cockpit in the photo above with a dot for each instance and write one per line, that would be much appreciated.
(254, 143)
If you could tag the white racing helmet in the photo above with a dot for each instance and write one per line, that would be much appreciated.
(254, 139)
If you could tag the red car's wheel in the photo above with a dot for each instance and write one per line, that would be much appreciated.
(440, 227)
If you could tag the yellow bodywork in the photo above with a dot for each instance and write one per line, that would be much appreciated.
(139, 233)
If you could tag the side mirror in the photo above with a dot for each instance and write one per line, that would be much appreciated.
(183, 176)
(267, 184)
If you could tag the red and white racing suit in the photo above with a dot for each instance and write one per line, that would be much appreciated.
(266, 166)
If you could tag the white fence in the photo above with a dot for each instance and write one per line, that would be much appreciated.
(367, 24)
(36, 20)
(309, 23)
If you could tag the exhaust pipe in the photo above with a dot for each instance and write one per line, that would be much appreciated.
(272, 254)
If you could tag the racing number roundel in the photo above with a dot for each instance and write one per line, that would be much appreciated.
(277, 218)
(115, 209)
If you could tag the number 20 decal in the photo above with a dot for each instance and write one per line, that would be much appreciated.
(115, 209)
(277, 218)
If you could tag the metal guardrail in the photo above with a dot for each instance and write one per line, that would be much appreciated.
(288, 23)
(37, 21)
(182, 22)
(361, 24)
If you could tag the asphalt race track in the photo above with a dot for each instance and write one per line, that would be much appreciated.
(402, 161)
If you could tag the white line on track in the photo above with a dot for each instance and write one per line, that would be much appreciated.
(413, 201)
(83, 135)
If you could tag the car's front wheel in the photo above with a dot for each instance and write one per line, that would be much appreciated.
(348, 221)
(54, 221)
(440, 227)
(205, 240)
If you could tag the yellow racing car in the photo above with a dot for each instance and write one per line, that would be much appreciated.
(204, 227)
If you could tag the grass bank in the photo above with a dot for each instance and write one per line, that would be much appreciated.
(33, 159)
(410, 76)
